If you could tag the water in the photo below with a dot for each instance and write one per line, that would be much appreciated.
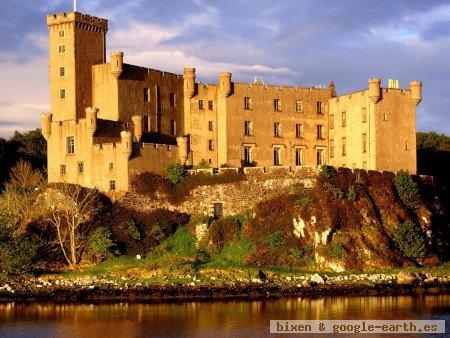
(207, 319)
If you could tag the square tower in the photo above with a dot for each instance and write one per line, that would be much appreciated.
(76, 42)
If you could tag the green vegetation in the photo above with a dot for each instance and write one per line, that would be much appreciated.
(335, 191)
(352, 193)
(101, 243)
(275, 240)
(176, 173)
(407, 189)
(181, 243)
(232, 255)
(327, 171)
(410, 240)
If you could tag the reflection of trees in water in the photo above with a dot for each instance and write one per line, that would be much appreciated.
(231, 317)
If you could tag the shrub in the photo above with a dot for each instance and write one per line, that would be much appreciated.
(304, 201)
(17, 256)
(352, 194)
(337, 251)
(133, 231)
(181, 243)
(233, 255)
(100, 243)
(202, 165)
(335, 191)
(303, 255)
(275, 240)
(197, 219)
(407, 189)
(327, 171)
(176, 173)
(409, 239)
(223, 231)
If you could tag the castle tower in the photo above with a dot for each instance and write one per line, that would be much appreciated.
(76, 42)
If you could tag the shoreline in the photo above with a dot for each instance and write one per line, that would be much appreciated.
(139, 293)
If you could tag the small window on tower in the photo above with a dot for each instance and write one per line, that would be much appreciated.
(62, 71)
(62, 93)
(210, 105)
(298, 106)
(210, 144)
(62, 169)
(61, 49)
(210, 125)
(200, 104)
(61, 33)
(80, 167)
(111, 166)
(246, 103)
(276, 105)
(112, 185)
(172, 99)
(319, 108)
(146, 95)
(173, 127)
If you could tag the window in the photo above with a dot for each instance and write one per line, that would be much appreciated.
(61, 49)
(172, 99)
(111, 166)
(320, 135)
(406, 145)
(298, 130)
(276, 156)
(319, 157)
(298, 156)
(344, 146)
(384, 116)
(276, 105)
(210, 125)
(210, 105)
(62, 71)
(319, 107)
(246, 103)
(80, 167)
(331, 121)
(146, 95)
(62, 94)
(277, 129)
(61, 33)
(248, 155)
(200, 104)
(344, 118)
(365, 165)
(248, 128)
(210, 144)
(331, 148)
(62, 169)
(173, 127)
(70, 145)
(112, 185)
(298, 106)
(363, 115)
(146, 123)
(364, 142)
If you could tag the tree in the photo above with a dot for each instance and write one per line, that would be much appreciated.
(70, 210)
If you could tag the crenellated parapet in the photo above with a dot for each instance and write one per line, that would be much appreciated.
(83, 21)
(189, 82)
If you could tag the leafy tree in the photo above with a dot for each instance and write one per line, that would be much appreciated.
(407, 189)
(176, 173)
(409, 239)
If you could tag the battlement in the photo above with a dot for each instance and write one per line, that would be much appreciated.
(82, 20)
(280, 87)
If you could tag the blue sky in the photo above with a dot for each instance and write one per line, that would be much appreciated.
(288, 42)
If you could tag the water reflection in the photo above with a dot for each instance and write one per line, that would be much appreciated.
(232, 318)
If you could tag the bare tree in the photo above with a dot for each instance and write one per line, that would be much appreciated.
(23, 176)
(70, 211)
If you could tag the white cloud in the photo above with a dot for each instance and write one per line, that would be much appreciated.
(23, 92)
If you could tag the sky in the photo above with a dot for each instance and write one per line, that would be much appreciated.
(302, 42)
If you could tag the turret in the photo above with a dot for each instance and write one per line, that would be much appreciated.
(46, 120)
(137, 121)
(116, 63)
(374, 89)
(332, 89)
(416, 91)
(189, 82)
(126, 143)
(225, 84)
(183, 151)
(91, 119)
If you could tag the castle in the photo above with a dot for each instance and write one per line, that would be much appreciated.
(110, 120)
